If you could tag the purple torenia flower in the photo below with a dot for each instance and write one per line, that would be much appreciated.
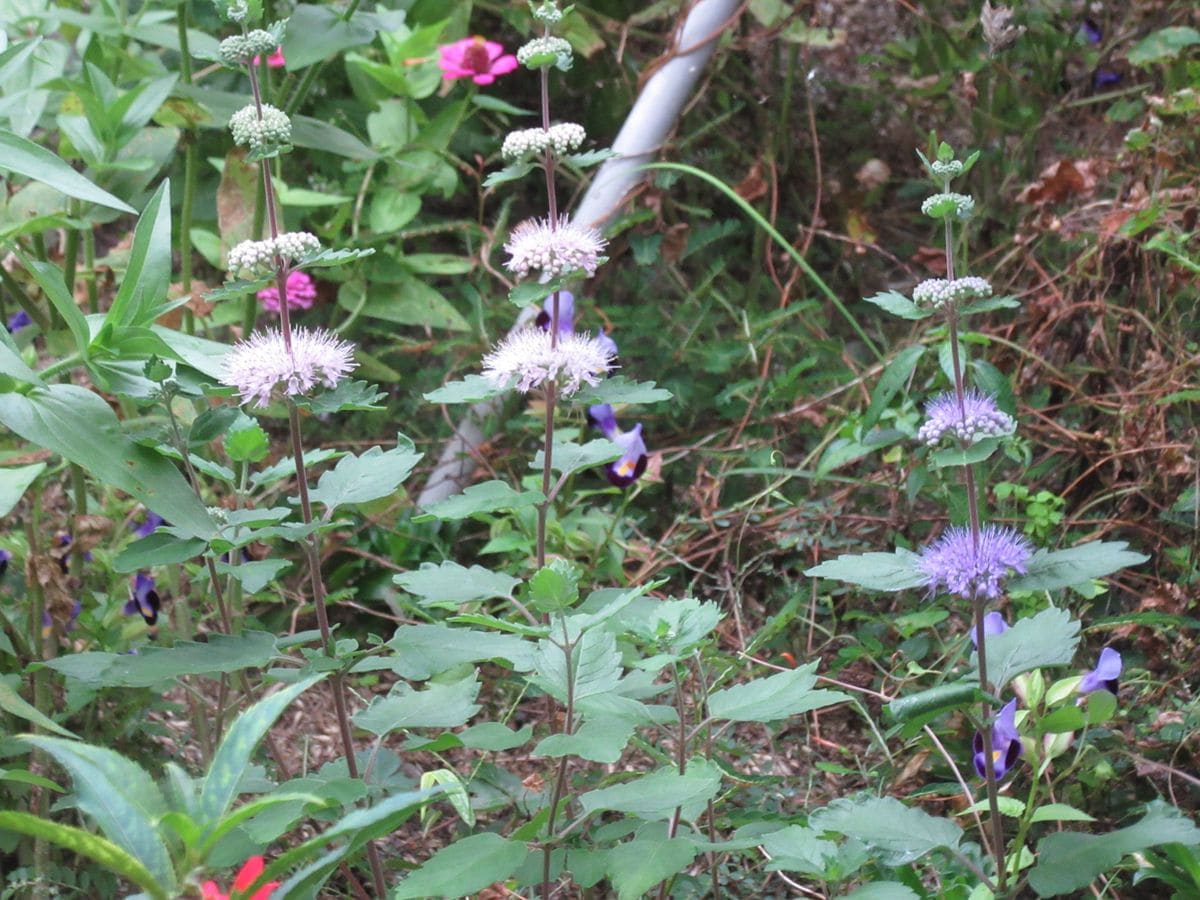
(261, 365)
(979, 418)
(525, 359)
(143, 599)
(65, 540)
(1006, 743)
(968, 570)
(149, 525)
(566, 313)
(1091, 32)
(1106, 674)
(5, 556)
(18, 320)
(993, 623)
(632, 462)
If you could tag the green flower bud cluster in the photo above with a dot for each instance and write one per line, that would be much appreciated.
(255, 259)
(543, 52)
(239, 49)
(937, 292)
(547, 12)
(261, 135)
(947, 203)
(946, 170)
(562, 138)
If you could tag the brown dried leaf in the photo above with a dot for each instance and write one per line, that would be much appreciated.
(753, 186)
(1061, 181)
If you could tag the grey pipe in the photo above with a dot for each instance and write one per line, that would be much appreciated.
(651, 119)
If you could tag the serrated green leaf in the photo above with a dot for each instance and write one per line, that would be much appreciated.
(423, 651)
(233, 756)
(1059, 812)
(438, 706)
(957, 456)
(348, 396)
(105, 853)
(883, 890)
(636, 866)
(1162, 45)
(1052, 569)
(901, 833)
(490, 496)
(471, 389)
(255, 574)
(155, 665)
(568, 457)
(656, 796)
(601, 739)
(119, 795)
(1069, 861)
(595, 666)
(464, 867)
(361, 479)
(773, 698)
(451, 583)
(895, 571)
(1046, 639)
(618, 389)
(800, 849)
(515, 172)
(899, 305)
(494, 736)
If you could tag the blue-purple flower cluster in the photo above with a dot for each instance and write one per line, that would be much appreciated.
(1006, 739)
(632, 462)
(970, 568)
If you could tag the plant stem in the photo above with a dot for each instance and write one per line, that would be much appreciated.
(560, 778)
(71, 251)
(311, 546)
(680, 762)
(977, 603)
(190, 159)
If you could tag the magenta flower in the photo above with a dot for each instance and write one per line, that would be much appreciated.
(274, 61)
(301, 292)
(632, 462)
(475, 58)
(1106, 674)
(1006, 743)
(968, 570)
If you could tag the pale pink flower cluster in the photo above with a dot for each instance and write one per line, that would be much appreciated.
(262, 364)
(536, 244)
(528, 359)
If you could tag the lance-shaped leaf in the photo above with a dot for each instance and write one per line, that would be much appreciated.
(26, 158)
(120, 796)
(233, 756)
(95, 848)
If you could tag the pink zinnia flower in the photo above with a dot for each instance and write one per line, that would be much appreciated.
(475, 58)
(301, 292)
(274, 61)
